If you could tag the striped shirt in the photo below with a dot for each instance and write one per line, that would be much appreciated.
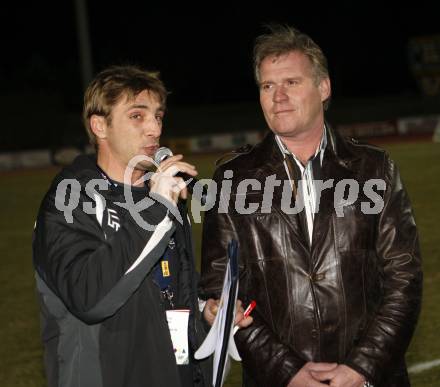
(307, 172)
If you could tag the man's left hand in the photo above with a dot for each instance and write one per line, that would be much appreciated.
(341, 376)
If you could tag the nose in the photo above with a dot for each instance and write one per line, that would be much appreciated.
(280, 94)
(153, 128)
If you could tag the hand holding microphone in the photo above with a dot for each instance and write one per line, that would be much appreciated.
(168, 181)
(182, 171)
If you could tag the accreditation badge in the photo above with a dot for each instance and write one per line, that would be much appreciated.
(178, 326)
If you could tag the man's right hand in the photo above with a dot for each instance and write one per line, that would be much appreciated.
(211, 309)
(304, 378)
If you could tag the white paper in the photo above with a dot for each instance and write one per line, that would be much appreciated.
(214, 339)
(178, 326)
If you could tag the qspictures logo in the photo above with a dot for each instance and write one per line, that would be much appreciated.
(248, 196)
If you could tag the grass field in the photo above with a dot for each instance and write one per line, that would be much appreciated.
(21, 193)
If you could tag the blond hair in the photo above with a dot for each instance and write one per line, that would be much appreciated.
(283, 39)
(111, 84)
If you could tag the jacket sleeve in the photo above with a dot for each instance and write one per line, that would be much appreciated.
(92, 275)
(264, 357)
(397, 250)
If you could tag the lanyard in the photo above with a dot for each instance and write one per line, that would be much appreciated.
(162, 276)
(106, 177)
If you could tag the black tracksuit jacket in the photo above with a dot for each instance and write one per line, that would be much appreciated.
(102, 317)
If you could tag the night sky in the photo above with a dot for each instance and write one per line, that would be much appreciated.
(204, 53)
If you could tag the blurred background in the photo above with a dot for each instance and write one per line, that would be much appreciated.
(384, 60)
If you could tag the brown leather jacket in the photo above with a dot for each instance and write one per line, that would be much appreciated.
(352, 297)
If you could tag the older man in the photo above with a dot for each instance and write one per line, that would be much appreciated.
(337, 278)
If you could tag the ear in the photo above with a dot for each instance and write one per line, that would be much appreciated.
(98, 125)
(325, 88)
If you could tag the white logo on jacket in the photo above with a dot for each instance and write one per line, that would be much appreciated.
(113, 219)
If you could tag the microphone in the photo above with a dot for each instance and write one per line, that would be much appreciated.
(162, 154)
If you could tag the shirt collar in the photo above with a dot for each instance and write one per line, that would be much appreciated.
(320, 149)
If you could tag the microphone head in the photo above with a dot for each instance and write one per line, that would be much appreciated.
(161, 154)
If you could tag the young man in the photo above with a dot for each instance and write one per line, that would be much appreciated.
(337, 281)
(113, 253)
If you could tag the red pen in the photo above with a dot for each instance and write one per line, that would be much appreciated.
(250, 308)
(246, 313)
